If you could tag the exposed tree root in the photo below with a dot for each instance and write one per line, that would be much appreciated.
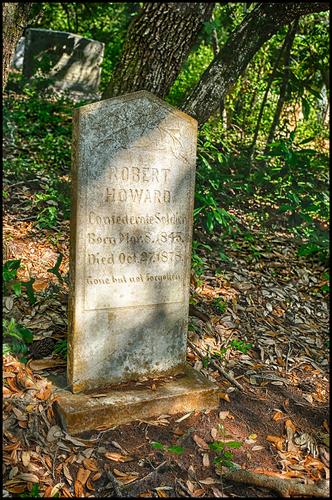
(285, 487)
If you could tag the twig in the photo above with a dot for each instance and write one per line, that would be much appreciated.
(271, 377)
(183, 488)
(218, 367)
(306, 361)
(28, 181)
(193, 311)
(287, 356)
(115, 484)
(141, 485)
(29, 217)
(53, 463)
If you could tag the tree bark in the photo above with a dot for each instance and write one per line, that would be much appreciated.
(14, 19)
(158, 42)
(257, 27)
(284, 84)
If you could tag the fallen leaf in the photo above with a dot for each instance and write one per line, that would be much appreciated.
(119, 447)
(82, 475)
(308, 397)
(200, 442)
(208, 480)
(78, 442)
(91, 464)
(190, 486)
(224, 396)
(5, 392)
(214, 433)
(277, 416)
(224, 414)
(17, 488)
(250, 441)
(78, 489)
(66, 492)
(326, 426)
(55, 490)
(27, 476)
(184, 417)
(25, 458)
(89, 485)
(289, 425)
(161, 493)
(44, 393)
(198, 493)
(54, 433)
(42, 364)
(67, 474)
(278, 441)
(117, 457)
(206, 460)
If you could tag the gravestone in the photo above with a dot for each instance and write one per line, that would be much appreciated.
(133, 193)
(18, 57)
(66, 61)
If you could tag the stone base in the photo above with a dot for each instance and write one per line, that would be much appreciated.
(186, 391)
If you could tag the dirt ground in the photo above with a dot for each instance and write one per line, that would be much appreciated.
(279, 419)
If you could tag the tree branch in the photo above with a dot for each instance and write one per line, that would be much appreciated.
(258, 26)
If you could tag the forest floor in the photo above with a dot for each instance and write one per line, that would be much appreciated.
(260, 316)
(278, 421)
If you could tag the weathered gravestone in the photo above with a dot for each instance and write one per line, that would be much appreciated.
(18, 57)
(133, 193)
(66, 61)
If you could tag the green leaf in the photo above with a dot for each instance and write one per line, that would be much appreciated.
(157, 445)
(29, 289)
(233, 444)
(217, 446)
(305, 108)
(285, 208)
(305, 141)
(55, 269)
(197, 210)
(175, 449)
(9, 269)
(17, 288)
(25, 333)
(6, 349)
(210, 222)
(228, 463)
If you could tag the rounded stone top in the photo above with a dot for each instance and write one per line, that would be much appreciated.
(138, 95)
(65, 34)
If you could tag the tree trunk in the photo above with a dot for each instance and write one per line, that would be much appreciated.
(257, 27)
(267, 90)
(284, 84)
(14, 18)
(158, 42)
